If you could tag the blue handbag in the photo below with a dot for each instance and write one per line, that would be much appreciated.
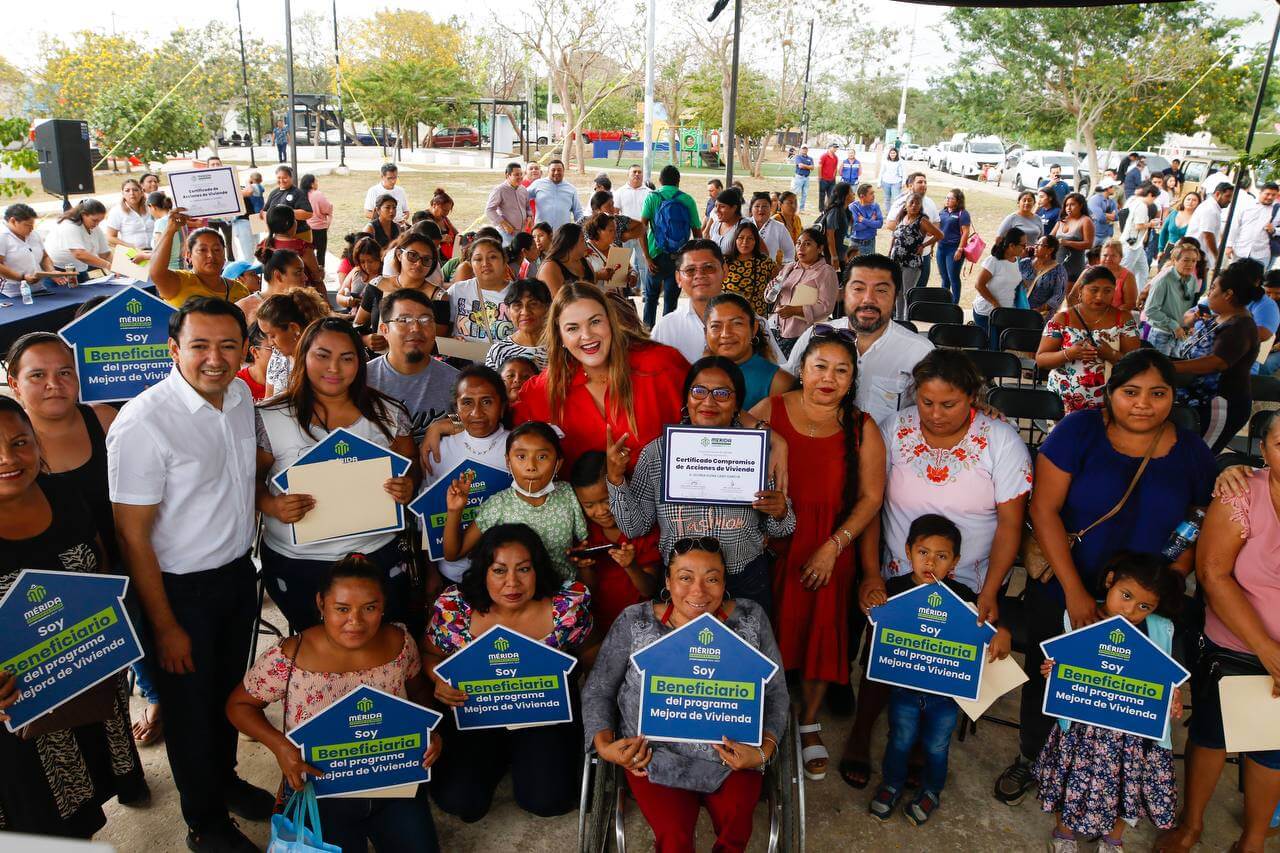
(297, 830)
(1020, 298)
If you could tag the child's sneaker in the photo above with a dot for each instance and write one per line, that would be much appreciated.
(1058, 844)
(920, 809)
(884, 802)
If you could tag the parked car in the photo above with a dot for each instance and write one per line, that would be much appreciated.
(606, 135)
(377, 136)
(1195, 169)
(911, 151)
(455, 137)
(967, 159)
(933, 155)
(1033, 166)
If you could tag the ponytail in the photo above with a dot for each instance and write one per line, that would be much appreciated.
(87, 207)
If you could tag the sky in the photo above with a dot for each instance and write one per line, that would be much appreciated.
(26, 23)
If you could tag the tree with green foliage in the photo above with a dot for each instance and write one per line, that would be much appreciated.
(756, 118)
(1090, 69)
(15, 130)
(408, 92)
(74, 72)
(135, 119)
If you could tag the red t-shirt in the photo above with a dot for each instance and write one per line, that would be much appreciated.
(657, 382)
(256, 388)
(614, 591)
(828, 164)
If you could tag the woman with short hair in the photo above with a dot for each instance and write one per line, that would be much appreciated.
(206, 254)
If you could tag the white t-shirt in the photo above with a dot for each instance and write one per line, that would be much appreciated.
(479, 315)
(1206, 219)
(630, 200)
(68, 235)
(133, 228)
(1139, 214)
(402, 200)
(21, 256)
(1005, 279)
(777, 239)
(491, 451)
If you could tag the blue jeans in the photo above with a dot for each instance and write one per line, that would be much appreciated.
(638, 264)
(390, 823)
(283, 150)
(663, 282)
(865, 247)
(949, 269)
(925, 717)
(891, 193)
(983, 322)
(800, 186)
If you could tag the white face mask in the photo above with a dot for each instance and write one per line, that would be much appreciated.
(540, 493)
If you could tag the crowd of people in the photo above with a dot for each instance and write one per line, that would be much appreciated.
(535, 345)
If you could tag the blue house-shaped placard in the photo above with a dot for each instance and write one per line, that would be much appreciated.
(430, 506)
(60, 634)
(510, 680)
(367, 741)
(929, 639)
(702, 682)
(121, 346)
(1110, 674)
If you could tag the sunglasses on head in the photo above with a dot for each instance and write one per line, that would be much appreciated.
(823, 330)
(697, 543)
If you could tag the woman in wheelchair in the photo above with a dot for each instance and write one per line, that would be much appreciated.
(511, 582)
(671, 781)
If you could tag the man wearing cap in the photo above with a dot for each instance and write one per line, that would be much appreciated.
(1103, 211)
(800, 183)
(828, 166)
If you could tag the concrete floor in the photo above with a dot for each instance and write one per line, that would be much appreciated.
(969, 820)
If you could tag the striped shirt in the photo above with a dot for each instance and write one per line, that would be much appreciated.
(740, 528)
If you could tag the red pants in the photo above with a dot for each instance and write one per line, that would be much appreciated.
(672, 813)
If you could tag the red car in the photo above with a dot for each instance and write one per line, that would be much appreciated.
(607, 135)
(455, 137)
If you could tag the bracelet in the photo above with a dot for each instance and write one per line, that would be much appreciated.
(764, 759)
(847, 533)
(839, 548)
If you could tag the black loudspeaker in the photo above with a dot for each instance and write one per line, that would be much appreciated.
(62, 148)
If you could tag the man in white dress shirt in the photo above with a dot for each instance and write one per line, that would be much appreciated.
(386, 185)
(1253, 226)
(630, 201)
(181, 469)
(1206, 223)
(887, 352)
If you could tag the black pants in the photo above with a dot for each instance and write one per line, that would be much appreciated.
(292, 584)
(753, 582)
(394, 825)
(217, 609)
(1043, 617)
(545, 762)
(320, 242)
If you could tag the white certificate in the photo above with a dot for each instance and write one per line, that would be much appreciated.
(207, 192)
(713, 466)
(350, 500)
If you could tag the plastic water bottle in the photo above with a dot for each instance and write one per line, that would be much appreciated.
(25, 289)
(1184, 535)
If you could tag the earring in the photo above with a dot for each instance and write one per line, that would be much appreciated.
(684, 414)
(664, 595)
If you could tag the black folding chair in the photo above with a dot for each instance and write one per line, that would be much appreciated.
(957, 335)
(1020, 340)
(1264, 389)
(1033, 411)
(907, 324)
(935, 312)
(1185, 417)
(929, 294)
(995, 366)
(1015, 318)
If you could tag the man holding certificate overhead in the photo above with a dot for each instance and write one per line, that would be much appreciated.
(358, 490)
(180, 470)
(688, 498)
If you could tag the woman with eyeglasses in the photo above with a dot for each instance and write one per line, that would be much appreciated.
(328, 390)
(413, 260)
(803, 292)
(672, 782)
(1044, 279)
(713, 394)
(835, 501)
(945, 457)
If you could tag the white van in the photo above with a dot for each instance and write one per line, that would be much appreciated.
(975, 154)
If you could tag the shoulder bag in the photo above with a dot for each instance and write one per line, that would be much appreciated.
(1031, 555)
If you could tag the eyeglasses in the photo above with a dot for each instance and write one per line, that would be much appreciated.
(704, 269)
(407, 323)
(702, 392)
(823, 330)
(697, 543)
(413, 257)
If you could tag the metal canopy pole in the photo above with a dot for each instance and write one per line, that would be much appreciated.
(337, 85)
(288, 68)
(731, 130)
(248, 102)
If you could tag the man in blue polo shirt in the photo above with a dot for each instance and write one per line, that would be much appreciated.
(555, 198)
(1103, 211)
(800, 183)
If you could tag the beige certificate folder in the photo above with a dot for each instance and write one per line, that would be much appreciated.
(1250, 716)
(998, 678)
(122, 264)
(349, 498)
(620, 257)
(804, 294)
(469, 350)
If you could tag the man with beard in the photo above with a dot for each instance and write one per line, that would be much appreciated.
(407, 372)
(887, 352)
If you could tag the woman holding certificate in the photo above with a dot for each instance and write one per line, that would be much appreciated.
(328, 390)
(713, 391)
(835, 502)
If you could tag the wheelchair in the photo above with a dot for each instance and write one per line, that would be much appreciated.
(602, 805)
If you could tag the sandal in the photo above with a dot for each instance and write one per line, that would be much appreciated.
(884, 802)
(856, 773)
(815, 756)
(150, 727)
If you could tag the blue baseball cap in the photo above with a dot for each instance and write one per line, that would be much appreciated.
(235, 269)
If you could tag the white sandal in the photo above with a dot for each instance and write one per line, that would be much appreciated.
(813, 753)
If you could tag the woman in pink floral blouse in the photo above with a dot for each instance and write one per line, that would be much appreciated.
(512, 583)
(310, 671)
(945, 457)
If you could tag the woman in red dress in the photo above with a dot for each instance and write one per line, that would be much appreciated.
(837, 506)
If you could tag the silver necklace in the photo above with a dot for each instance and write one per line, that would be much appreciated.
(479, 453)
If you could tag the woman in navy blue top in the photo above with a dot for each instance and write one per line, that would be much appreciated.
(1047, 209)
(955, 223)
(1083, 470)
